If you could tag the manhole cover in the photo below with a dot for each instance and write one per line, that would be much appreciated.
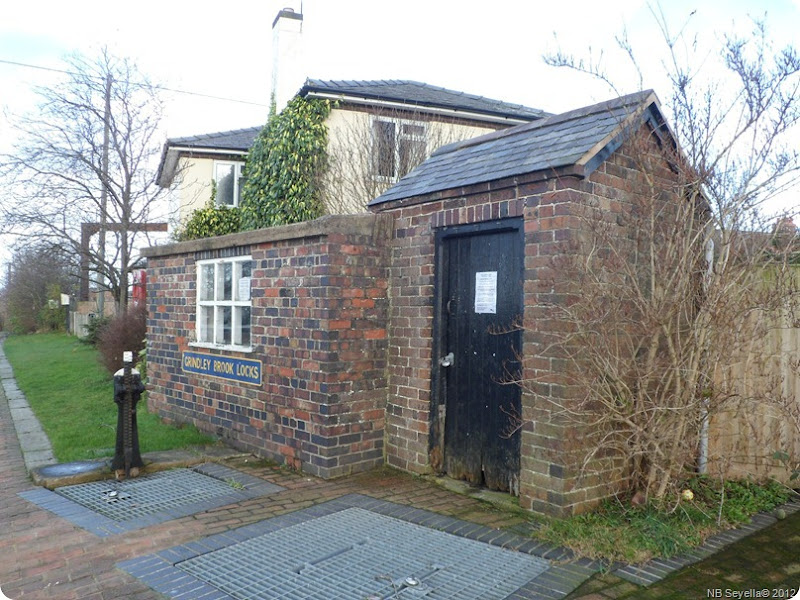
(356, 553)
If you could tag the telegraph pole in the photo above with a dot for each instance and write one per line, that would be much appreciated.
(101, 300)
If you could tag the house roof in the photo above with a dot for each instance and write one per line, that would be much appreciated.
(580, 138)
(238, 139)
(226, 144)
(394, 93)
(405, 93)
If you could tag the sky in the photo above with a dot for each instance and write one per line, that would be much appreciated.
(493, 49)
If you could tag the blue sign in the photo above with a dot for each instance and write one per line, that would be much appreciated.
(235, 369)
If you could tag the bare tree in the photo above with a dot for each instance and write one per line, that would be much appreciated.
(31, 296)
(673, 303)
(85, 168)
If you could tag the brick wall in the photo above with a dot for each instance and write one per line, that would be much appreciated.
(319, 309)
(343, 320)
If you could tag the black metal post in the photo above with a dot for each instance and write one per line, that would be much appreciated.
(128, 389)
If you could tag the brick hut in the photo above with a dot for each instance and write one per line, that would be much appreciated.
(337, 345)
(476, 230)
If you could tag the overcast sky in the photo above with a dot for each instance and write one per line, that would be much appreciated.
(488, 48)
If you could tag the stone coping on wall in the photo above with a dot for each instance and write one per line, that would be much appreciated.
(378, 226)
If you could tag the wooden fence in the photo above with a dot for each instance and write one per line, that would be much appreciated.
(744, 439)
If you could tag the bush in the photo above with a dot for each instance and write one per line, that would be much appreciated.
(211, 220)
(123, 333)
(95, 329)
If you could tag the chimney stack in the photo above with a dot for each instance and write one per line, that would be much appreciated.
(288, 60)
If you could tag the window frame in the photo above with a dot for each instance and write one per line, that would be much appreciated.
(216, 307)
(237, 180)
(400, 136)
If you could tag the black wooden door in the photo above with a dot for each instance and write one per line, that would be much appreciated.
(479, 341)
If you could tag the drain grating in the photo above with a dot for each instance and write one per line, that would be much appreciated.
(356, 553)
(362, 548)
(135, 498)
(109, 507)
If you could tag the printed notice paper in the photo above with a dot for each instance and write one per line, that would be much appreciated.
(486, 292)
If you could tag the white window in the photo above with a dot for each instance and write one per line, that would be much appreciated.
(228, 178)
(398, 146)
(223, 302)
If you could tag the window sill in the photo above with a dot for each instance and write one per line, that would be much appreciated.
(243, 349)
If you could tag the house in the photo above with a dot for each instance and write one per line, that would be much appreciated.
(202, 163)
(377, 132)
(352, 341)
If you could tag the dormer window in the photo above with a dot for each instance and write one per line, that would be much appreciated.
(228, 178)
(398, 147)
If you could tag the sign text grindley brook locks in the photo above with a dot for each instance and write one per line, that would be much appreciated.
(235, 369)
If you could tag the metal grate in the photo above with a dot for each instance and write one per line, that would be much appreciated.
(356, 553)
(154, 494)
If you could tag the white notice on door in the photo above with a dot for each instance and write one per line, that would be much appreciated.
(486, 292)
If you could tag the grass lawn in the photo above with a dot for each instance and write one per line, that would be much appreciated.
(616, 530)
(766, 563)
(73, 398)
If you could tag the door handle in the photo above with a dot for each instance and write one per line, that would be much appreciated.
(446, 361)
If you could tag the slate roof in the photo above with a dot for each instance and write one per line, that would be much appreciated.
(580, 138)
(238, 139)
(411, 93)
(416, 94)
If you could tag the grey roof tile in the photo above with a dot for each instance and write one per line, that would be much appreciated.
(410, 92)
(421, 95)
(556, 141)
(237, 139)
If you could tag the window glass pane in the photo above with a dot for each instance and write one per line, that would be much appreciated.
(239, 183)
(418, 130)
(384, 140)
(226, 324)
(226, 281)
(224, 177)
(244, 325)
(205, 324)
(207, 282)
(412, 153)
(242, 285)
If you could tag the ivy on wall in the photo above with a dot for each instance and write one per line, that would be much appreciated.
(280, 176)
(283, 166)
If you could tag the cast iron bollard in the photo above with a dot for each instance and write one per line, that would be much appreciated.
(128, 390)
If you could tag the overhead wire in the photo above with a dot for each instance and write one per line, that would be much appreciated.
(151, 86)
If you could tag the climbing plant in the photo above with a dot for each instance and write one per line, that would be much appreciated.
(284, 166)
(211, 220)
